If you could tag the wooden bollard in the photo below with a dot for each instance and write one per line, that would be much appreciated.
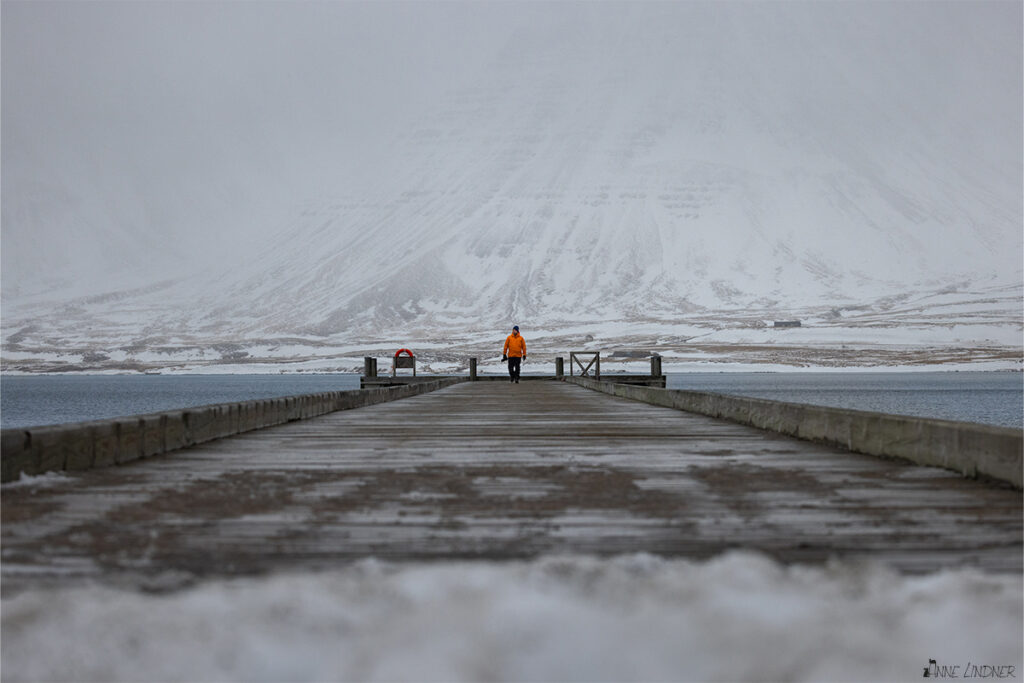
(369, 366)
(472, 369)
(559, 367)
(655, 365)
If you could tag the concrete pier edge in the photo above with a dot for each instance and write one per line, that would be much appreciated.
(100, 443)
(971, 449)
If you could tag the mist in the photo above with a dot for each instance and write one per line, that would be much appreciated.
(150, 136)
(339, 172)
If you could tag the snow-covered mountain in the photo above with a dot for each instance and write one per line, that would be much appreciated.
(658, 171)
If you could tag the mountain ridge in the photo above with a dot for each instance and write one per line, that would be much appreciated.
(666, 165)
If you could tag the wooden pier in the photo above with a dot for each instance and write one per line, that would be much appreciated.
(496, 470)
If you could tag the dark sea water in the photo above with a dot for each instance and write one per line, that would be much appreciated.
(986, 397)
(53, 399)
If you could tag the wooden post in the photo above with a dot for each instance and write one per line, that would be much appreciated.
(369, 366)
(597, 372)
(560, 367)
(655, 365)
(472, 369)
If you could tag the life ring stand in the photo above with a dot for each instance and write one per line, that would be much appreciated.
(404, 358)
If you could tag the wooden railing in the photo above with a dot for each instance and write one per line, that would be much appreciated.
(595, 362)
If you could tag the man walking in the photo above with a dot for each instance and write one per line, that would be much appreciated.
(514, 352)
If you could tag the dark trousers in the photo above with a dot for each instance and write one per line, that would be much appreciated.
(513, 367)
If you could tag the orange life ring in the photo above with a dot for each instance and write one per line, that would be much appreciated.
(405, 351)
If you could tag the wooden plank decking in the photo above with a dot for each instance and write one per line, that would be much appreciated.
(494, 470)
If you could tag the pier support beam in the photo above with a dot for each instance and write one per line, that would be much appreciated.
(559, 367)
(472, 369)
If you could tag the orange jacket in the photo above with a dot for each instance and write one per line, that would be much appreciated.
(515, 346)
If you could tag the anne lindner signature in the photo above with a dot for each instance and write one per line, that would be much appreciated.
(969, 670)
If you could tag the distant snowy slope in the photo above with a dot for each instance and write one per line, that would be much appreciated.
(737, 156)
(653, 162)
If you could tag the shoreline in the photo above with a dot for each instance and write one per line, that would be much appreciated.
(711, 367)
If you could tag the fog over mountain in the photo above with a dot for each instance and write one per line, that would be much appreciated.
(139, 136)
(292, 182)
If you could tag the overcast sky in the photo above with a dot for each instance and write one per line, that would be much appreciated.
(232, 83)
(181, 113)
(194, 126)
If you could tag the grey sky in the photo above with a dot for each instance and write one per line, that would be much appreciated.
(180, 129)
(214, 119)
(233, 82)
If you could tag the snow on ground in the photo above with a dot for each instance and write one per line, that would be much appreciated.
(672, 363)
(641, 178)
(719, 343)
(739, 616)
(669, 366)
